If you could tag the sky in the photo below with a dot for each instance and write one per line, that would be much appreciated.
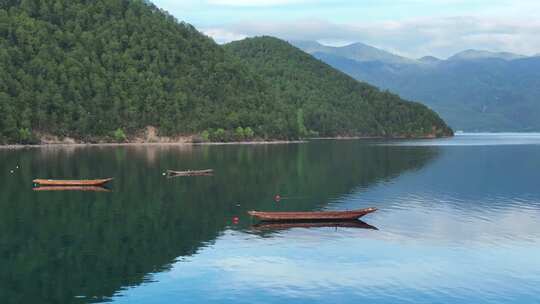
(412, 28)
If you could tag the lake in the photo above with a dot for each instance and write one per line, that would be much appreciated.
(458, 222)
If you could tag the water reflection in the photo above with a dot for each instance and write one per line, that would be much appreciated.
(463, 229)
(320, 265)
(474, 139)
(265, 226)
(73, 246)
(72, 188)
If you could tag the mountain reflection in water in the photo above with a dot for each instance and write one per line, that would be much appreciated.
(72, 246)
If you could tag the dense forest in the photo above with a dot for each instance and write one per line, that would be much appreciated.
(330, 102)
(106, 69)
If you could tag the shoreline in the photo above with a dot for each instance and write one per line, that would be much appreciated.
(187, 143)
(137, 144)
(380, 137)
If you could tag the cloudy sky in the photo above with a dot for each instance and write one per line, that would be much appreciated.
(413, 28)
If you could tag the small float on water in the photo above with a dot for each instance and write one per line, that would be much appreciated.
(71, 182)
(207, 172)
(311, 216)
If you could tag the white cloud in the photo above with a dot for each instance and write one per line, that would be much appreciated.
(412, 37)
(252, 3)
(222, 35)
(408, 27)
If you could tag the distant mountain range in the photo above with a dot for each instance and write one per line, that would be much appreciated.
(357, 51)
(473, 90)
(476, 54)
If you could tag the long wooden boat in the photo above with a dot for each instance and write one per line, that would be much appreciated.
(313, 224)
(312, 216)
(57, 182)
(72, 188)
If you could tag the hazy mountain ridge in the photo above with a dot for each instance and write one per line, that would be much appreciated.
(357, 51)
(472, 90)
(479, 54)
(430, 59)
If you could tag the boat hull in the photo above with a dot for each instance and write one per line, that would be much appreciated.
(312, 216)
(82, 183)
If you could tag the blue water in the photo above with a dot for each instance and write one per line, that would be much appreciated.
(458, 222)
(463, 229)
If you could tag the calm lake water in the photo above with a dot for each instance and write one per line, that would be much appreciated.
(459, 222)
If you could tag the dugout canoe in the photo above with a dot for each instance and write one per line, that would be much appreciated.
(82, 183)
(312, 216)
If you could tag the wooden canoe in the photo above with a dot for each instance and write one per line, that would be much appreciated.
(57, 182)
(312, 216)
(72, 188)
(313, 224)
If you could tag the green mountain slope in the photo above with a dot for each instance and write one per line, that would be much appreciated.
(84, 69)
(331, 102)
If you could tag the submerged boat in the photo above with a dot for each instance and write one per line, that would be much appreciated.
(84, 182)
(312, 216)
(207, 172)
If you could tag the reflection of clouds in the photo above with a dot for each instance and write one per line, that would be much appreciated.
(355, 265)
(480, 196)
(449, 220)
(354, 262)
(474, 139)
(446, 225)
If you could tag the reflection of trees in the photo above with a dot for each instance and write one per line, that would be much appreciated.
(58, 245)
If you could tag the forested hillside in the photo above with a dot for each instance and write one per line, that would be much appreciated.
(85, 68)
(106, 68)
(330, 102)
